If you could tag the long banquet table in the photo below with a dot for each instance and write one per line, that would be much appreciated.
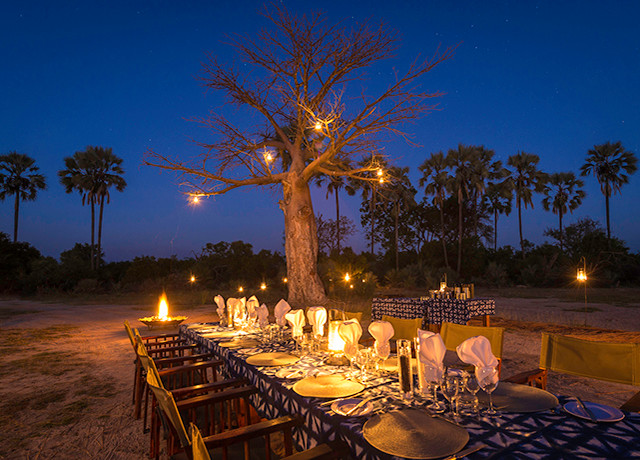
(547, 434)
(433, 311)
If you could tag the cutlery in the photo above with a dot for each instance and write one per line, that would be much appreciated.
(586, 410)
(464, 453)
(361, 404)
(290, 375)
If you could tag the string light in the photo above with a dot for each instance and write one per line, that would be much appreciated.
(347, 277)
(263, 286)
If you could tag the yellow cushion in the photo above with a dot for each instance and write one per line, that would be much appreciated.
(454, 334)
(353, 315)
(613, 362)
(404, 328)
(199, 451)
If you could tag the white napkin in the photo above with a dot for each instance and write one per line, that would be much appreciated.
(382, 331)
(282, 308)
(317, 318)
(477, 351)
(432, 351)
(350, 331)
(237, 308)
(220, 310)
(252, 304)
(296, 319)
(263, 315)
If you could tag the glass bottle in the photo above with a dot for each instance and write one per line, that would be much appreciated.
(404, 368)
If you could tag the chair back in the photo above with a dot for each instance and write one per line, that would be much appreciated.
(147, 361)
(198, 447)
(612, 362)
(168, 406)
(353, 315)
(404, 328)
(127, 328)
(454, 334)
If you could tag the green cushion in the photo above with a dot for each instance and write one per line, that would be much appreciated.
(404, 328)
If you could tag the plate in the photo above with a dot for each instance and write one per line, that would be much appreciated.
(343, 406)
(414, 434)
(219, 334)
(327, 386)
(602, 413)
(272, 359)
(512, 397)
(240, 343)
(291, 374)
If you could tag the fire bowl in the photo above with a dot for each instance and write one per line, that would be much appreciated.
(162, 323)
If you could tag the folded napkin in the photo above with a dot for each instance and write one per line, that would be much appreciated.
(317, 318)
(350, 331)
(296, 320)
(432, 351)
(382, 331)
(282, 308)
(237, 308)
(220, 310)
(263, 315)
(252, 304)
(477, 351)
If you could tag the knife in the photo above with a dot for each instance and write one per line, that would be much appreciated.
(586, 410)
(464, 453)
(362, 403)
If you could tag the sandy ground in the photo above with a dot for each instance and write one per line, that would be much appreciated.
(66, 371)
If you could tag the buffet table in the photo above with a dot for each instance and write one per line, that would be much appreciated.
(551, 433)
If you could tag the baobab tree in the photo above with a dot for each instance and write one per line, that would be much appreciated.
(299, 76)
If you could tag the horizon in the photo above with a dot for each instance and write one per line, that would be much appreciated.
(536, 78)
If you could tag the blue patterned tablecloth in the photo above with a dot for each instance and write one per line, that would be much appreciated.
(547, 434)
(433, 311)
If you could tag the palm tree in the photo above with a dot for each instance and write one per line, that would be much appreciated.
(562, 194)
(400, 193)
(20, 179)
(434, 180)
(611, 164)
(497, 200)
(335, 183)
(526, 179)
(91, 173)
(108, 175)
(483, 169)
(461, 163)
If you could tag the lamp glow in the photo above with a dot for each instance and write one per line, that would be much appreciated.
(335, 342)
(285, 280)
(582, 275)
(318, 126)
(263, 286)
(192, 279)
(347, 278)
(240, 289)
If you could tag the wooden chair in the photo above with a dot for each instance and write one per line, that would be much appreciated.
(231, 424)
(328, 451)
(612, 362)
(454, 334)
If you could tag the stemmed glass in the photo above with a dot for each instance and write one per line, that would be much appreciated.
(488, 381)
(434, 377)
(350, 353)
(380, 354)
(472, 386)
(450, 386)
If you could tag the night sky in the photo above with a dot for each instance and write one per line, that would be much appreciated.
(549, 78)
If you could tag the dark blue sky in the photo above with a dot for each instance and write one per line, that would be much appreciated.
(550, 78)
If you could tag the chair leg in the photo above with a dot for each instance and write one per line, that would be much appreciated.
(138, 391)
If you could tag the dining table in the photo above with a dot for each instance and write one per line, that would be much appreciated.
(553, 432)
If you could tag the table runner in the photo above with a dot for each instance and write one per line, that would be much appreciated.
(547, 434)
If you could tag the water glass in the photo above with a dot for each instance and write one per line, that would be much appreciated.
(449, 388)
(488, 381)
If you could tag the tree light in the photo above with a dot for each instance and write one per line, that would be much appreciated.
(240, 289)
(347, 277)
(268, 157)
(195, 200)
(379, 172)
(263, 286)
(285, 280)
(318, 126)
(192, 279)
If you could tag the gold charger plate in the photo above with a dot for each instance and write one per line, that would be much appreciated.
(414, 434)
(391, 365)
(219, 334)
(272, 359)
(512, 397)
(327, 386)
(241, 343)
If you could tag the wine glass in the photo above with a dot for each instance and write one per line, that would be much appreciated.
(472, 386)
(449, 388)
(488, 381)
(380, 353)
(350, 352)
(433, 375)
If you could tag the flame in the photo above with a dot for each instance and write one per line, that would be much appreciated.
(163, 308)
(336, 344)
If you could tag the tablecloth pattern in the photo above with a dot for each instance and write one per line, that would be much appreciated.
(433, 311)
(547, 434)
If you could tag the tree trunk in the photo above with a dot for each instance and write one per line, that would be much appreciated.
(335, 190)
(373, 208)
(560, 221)
(495, 230)
(301, 244)
(396, 234)
(100, 232)
(93, 232)
(520, 227)
(15, 217)
(459, 230)
(444, 245)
